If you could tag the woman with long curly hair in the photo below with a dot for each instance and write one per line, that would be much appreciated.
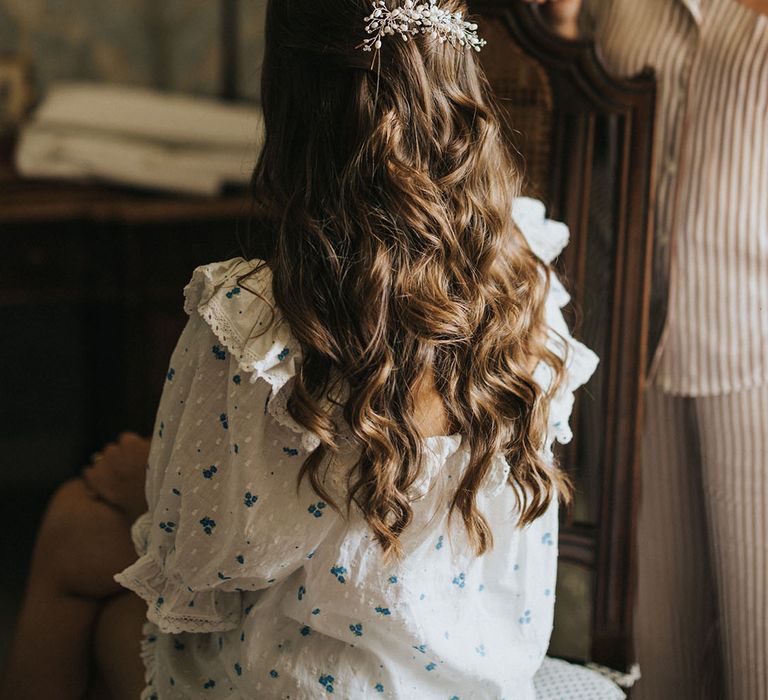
(351, 486)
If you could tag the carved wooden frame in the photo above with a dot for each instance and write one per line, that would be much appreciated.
(581, 90)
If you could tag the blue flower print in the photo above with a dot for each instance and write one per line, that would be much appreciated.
(379, 688)
(218, 353)
(317, 509)
(233, 292)
(210, 683)
(326, 682)
(238, 669)
(208, 473)
(525, 619)
(301, 592)
(237, 379)
(339, 571)
(480, 650)
(460, 580)
(547, 539)
(240, 559)
(290, 451)
(439, 544)
(250, 499)
(178, 645)
(382, 611)
(305, 631)
(222, 577)
(422, 648)
(170, 374)
(316, 611)
(224, 421)
(393, 579)
(208, 525)
(356, 629)
(176, 492)
(431, 666)
(274, 673)
(168, 527)
(283, 354)
(311, 554)
(547, 592)
(481, 588)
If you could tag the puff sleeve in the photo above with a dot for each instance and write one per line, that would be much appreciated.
(225, 515)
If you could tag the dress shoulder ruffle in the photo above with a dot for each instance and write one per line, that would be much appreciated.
(235, 299)
(547, 239)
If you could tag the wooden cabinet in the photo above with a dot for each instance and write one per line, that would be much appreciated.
(91, 304)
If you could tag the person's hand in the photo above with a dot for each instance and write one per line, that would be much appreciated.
(118, 473)
(562, 15)
(760, 6)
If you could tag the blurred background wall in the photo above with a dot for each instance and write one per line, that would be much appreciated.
(172, 44)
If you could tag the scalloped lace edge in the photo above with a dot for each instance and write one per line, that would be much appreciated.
(172, 623)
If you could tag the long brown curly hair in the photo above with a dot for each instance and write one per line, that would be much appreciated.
(388, 191)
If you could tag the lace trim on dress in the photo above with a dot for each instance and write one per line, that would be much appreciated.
(236, 317)
(173, 607)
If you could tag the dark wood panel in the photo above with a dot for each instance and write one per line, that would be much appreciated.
(90, 314)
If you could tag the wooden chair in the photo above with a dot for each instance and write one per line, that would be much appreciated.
(586, 140)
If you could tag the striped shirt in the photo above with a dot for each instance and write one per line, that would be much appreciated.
(711, 168)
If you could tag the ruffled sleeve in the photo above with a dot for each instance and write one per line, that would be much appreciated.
(547, 239)
(225, 515)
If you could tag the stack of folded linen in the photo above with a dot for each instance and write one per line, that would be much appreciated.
(140, 137)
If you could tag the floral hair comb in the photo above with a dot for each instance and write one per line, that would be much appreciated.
(413, 18)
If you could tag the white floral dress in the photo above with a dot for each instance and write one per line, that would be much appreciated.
(255, 590)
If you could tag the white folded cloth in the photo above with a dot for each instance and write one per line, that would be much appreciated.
(140, 137)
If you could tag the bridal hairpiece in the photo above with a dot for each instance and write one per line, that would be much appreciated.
(413, 18)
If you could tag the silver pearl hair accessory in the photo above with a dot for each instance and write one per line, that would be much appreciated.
(413, 18)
